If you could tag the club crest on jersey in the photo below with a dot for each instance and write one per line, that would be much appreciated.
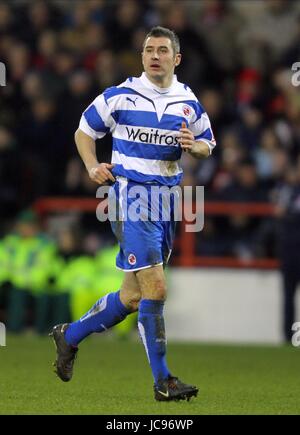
(186, 110)
(132, 259)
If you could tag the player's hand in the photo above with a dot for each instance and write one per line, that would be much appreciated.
(186, 138)
(100, 174)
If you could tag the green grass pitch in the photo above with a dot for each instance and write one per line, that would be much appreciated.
(113, 377)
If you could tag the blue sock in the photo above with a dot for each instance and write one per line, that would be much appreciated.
(107, 312)
(152, 331)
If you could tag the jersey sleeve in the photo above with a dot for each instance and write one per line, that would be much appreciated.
(201, 127)
(97, 119)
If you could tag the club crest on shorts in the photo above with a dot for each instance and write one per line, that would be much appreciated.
(132, 259)
(186, 110)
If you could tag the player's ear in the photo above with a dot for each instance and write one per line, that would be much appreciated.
(177, 59)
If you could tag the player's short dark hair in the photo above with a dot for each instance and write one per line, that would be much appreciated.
(159, 31)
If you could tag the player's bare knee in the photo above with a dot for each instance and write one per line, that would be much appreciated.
(130, 298)
(156, 291)
(160, 289)
(134, 306)
(130, 292)
(133, 302)
(152, 283)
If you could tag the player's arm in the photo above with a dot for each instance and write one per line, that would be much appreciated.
(94, 124)
(197, 148)
(98, 172)
(198, 139)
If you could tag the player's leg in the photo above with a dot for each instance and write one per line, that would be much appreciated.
(130, 294)
(105, 313)
(130, 297)
(150, 319)
(152, 330)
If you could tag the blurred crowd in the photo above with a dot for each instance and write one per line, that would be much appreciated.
(44, 282)
(237, 57)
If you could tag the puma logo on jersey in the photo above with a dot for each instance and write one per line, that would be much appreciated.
(132, 101)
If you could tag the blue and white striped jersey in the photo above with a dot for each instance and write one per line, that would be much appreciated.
(144, 121)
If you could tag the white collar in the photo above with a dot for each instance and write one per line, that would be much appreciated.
(152, 86)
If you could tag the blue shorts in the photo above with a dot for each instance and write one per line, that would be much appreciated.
(147, 241)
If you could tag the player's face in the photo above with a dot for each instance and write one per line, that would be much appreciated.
(159, 59)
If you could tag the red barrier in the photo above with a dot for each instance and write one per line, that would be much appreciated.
(186, 240)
